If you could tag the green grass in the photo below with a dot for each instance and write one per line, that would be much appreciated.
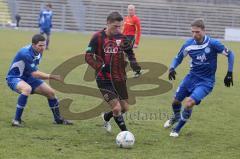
(213, 131)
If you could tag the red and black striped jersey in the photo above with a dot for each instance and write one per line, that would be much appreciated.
(106, 55)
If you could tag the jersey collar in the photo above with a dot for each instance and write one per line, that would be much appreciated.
(204, 41)
(34, 53)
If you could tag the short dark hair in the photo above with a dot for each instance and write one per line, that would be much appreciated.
(199, 22)
(37, 37)
(114, 16)
(49, 5)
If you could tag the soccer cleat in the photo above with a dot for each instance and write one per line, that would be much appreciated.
(173, 133)
(170, 122)
(63, 122)
(16, 123)
(106, 124)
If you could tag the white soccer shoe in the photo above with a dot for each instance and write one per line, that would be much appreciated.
(16, 123)
(174, 134)
(106, 124)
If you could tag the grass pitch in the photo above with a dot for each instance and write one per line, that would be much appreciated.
(213, 131)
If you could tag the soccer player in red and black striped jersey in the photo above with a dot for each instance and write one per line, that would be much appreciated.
(105, 53)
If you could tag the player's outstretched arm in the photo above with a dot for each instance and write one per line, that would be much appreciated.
(176, 61)
(228, 80)
(45, 76)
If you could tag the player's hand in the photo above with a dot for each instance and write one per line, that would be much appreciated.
(105, 69)
(228, 80)
(57, 78)
(135, 67)
(172, 74)
(135, 46)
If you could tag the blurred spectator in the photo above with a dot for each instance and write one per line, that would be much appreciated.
(18, 18)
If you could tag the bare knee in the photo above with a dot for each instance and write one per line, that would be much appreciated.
(189, 103)
(26, 90)
(116, 109)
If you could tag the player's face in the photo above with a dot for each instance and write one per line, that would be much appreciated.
(198, 33)
(131, 11)
(114, 27)
(40, 46)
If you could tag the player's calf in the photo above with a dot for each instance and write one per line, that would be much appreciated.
(118, 117)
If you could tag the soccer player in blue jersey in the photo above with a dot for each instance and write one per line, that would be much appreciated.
(24, 78)
(45, 22)
(199, 82)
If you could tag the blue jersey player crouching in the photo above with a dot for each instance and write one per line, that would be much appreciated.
(199, 82)
(25, 78)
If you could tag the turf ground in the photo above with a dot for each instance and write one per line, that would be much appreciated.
(213, 131)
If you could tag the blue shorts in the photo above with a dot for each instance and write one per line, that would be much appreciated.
(46, 31)
(193, 87)
(33, 82)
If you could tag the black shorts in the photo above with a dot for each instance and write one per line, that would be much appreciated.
(113, 89)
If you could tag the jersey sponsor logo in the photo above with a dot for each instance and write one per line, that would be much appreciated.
(202, 57)
(111, 47)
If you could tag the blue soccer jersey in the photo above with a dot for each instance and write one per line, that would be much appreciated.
(203, 56)
(24, 63)
(45, 19)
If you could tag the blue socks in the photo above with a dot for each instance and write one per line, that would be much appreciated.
(185, 115)
(176, 110)
(53, 104)
(22, 101)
